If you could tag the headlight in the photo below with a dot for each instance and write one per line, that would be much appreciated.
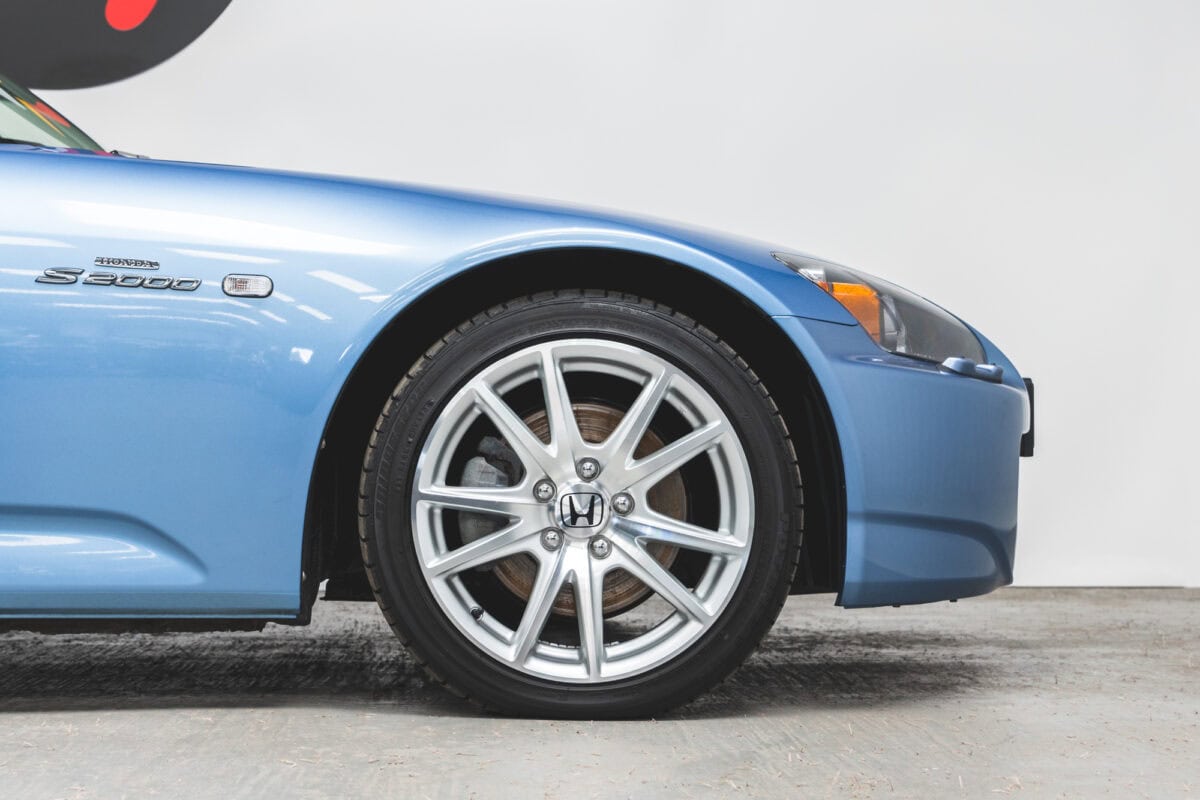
(898, 320)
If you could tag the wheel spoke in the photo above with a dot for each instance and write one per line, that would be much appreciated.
(629, 432)
(659, 580)
(549, 580)
(504, 502)
(661, 463)
(529, 448)
(659, 528)
(516, 538)
(589, 612)
(565, 438)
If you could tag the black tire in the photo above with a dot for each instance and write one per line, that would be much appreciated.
(389, 551)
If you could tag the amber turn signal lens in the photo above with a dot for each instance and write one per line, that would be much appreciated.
(862, 302)
(898, 320)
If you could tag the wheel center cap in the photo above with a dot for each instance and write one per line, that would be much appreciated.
(582, 511)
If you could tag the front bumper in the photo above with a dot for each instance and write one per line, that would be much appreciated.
(930, 461)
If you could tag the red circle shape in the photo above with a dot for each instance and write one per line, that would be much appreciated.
(125, 15)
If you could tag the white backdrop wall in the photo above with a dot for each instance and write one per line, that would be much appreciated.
(1033, 166)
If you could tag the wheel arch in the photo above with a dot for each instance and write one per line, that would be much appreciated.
(331, 527)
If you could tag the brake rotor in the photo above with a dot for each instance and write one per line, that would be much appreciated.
(667, 497)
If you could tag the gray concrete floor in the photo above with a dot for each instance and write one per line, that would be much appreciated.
(1042, 693)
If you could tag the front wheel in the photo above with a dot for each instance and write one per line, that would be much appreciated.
(580, 505)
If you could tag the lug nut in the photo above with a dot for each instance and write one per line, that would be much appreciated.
(543, 490)
(552, 539)
(600, 547)
(622, 503)
(588, 468)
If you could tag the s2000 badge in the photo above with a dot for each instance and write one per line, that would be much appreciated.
(69, 275)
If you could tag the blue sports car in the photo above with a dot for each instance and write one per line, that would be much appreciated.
(580, 459)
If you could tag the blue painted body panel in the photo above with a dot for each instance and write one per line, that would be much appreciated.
(930, 460)
(156, 447)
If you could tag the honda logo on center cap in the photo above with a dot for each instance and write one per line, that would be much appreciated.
(581, 510)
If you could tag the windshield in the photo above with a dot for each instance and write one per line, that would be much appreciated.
(26, 119)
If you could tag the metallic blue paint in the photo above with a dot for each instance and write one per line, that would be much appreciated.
(158, 445)
(930, 460)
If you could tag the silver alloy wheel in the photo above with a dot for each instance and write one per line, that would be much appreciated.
(582, 511)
